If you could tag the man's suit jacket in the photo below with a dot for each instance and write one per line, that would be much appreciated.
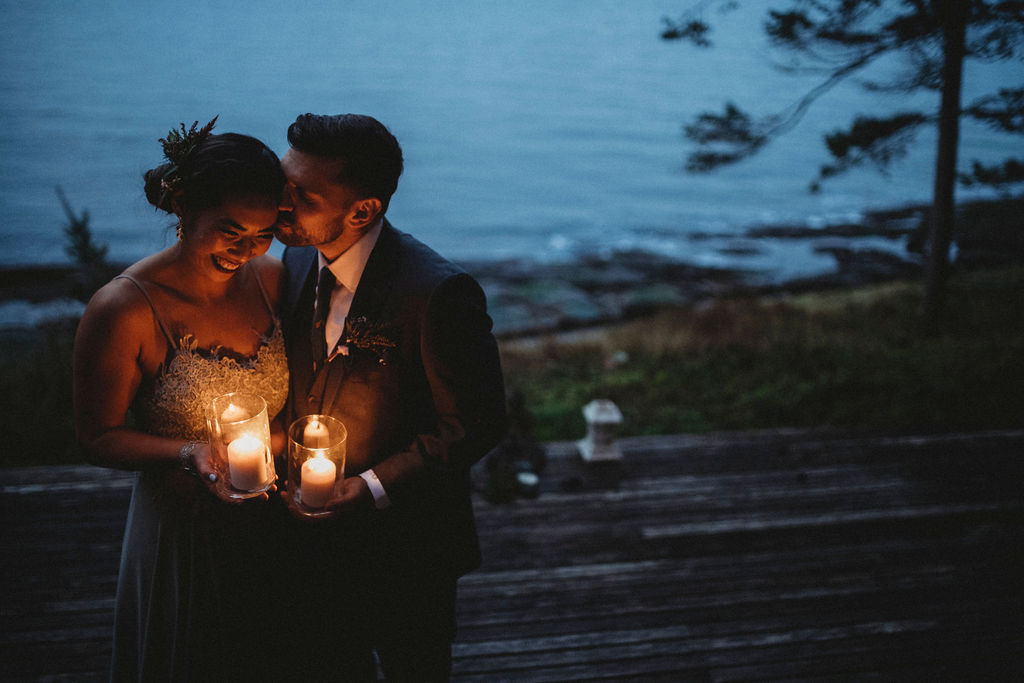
(422, 374)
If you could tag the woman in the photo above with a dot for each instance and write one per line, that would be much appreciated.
(154, 346)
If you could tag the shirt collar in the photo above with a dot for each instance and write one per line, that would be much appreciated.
(348, 268)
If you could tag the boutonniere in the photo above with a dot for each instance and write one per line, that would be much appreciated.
(362, 335)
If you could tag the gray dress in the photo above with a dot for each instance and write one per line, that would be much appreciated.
(194, 589)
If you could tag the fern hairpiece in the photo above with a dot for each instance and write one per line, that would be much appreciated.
(178, 148)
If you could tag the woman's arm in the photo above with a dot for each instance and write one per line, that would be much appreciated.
(109, 357)
(117, 343)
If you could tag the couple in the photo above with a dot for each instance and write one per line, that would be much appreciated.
(211, 589)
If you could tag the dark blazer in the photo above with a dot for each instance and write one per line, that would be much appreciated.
(422, 374)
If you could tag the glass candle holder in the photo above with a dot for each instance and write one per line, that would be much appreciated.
(240, 443)
(316, 461)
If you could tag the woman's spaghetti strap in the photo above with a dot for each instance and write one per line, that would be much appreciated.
(263, 291)
(156, 315)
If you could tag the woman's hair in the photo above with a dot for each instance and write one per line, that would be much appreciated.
(371, 156)
(206, 170)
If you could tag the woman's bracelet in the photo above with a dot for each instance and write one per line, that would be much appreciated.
(185, 457)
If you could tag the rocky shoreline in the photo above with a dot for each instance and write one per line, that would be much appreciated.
(531, 298)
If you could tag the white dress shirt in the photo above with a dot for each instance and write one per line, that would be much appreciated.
(348, 270)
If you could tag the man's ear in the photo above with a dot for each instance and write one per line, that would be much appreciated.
(365, 211)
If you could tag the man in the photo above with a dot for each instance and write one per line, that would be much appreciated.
(394, 341)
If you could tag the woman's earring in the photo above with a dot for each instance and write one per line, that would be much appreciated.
(180, 231)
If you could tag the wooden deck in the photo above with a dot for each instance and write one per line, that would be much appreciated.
(782, 556)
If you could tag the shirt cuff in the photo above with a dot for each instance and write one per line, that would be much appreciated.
(380, 496)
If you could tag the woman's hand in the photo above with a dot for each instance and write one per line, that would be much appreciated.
(202, 460)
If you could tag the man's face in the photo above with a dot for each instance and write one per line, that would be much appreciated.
(313, 208)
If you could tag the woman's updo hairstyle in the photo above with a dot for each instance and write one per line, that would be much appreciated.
(205, 170)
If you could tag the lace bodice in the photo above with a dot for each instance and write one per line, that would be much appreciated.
(174, 405)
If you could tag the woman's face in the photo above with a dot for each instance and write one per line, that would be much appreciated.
(222, 238)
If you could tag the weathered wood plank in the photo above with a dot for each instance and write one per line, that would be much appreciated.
(780, 555)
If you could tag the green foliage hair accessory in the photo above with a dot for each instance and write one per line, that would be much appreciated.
(178, 148)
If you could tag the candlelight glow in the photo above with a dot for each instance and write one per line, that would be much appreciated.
(234, 413)
(315, 435)
(247, 462)
(317, 480)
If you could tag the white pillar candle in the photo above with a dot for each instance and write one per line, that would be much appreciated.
(247, 462)
(318, 475)
(315, 435)
(234, 413)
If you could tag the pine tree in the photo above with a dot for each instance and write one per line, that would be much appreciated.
(80, 246)
(841, 38)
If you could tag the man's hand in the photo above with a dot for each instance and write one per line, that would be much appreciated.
(350, 494)
(354, 495)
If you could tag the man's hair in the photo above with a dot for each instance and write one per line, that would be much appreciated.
(371, 156)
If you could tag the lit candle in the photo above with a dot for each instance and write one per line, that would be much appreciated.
(247, 462)
(315, 435)
(318, 481)
(234, 413)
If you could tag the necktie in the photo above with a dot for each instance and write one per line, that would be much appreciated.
(324, 289)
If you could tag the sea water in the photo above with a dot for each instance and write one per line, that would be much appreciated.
(532, 129)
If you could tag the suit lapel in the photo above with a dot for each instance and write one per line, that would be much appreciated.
(300, 266)
(298, 312)
(368, 302)
(377, 277)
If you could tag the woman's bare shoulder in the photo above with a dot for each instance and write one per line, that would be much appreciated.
(120, 303)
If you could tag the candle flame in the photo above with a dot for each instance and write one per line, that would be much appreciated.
(234, 413)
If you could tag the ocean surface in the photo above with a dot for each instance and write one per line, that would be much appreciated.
(535, 129)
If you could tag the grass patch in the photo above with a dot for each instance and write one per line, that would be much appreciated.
(857, 358)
